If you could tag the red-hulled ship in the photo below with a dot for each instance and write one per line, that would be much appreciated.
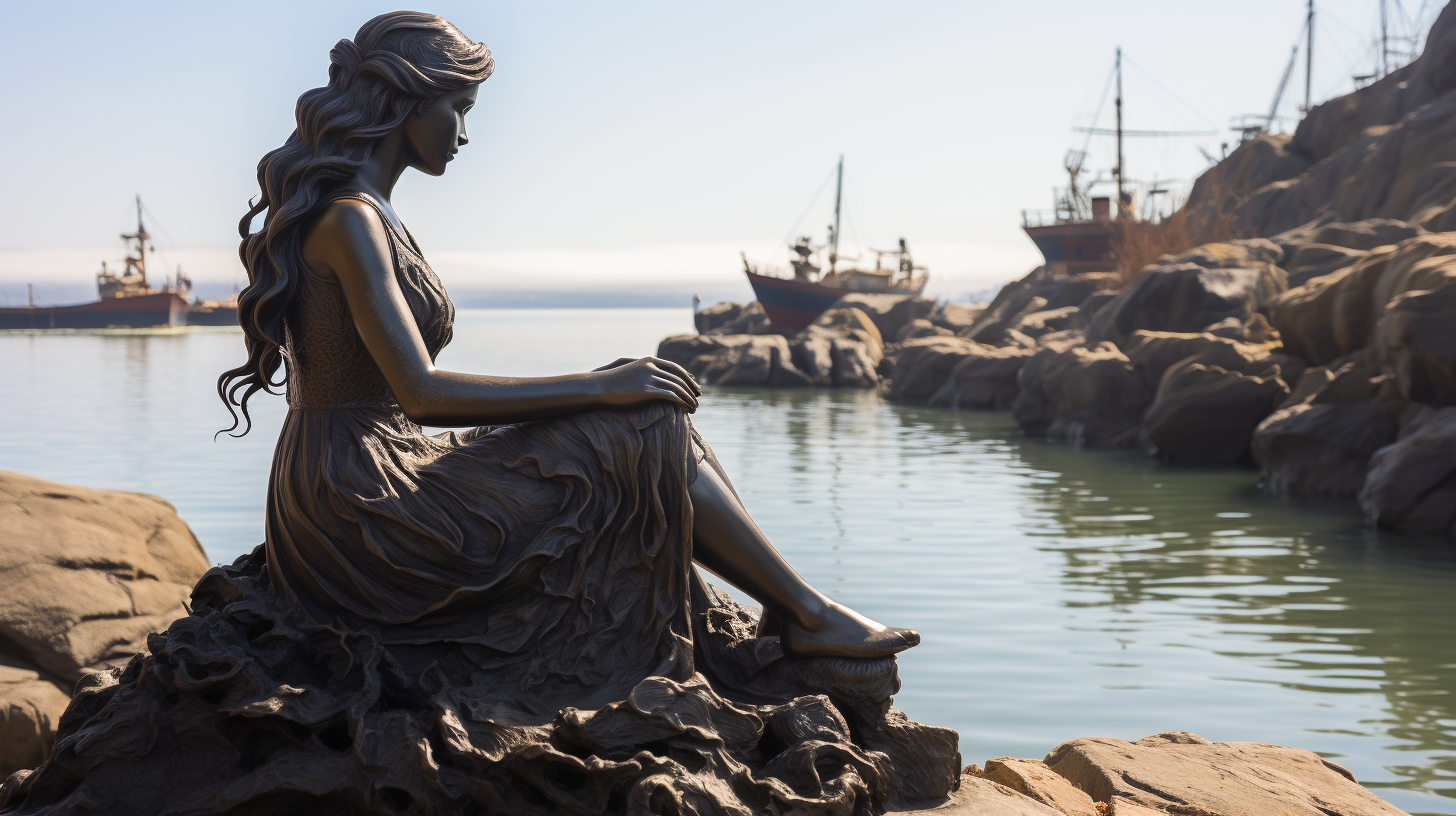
(127, 299)
(792, 297)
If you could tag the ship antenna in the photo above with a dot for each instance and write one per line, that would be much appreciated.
(834, 238)
(1121, 195)
(1308, 55)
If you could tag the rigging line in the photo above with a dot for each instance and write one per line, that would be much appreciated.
(860, 196)
(1101, 105)
(157, 223)
(805, 213)
(1169, 91)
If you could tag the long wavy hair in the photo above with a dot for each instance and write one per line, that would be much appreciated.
(396, 64)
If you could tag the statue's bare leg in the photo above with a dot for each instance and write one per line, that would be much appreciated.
(726, 541)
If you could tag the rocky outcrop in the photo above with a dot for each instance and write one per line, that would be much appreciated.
(843, 348)
(1205, 413)
(1084, 395)
(1184, 773)
(1170, 773)
(85, 576)
(1188, 292)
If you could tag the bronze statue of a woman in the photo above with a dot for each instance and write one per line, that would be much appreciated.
(503, 619)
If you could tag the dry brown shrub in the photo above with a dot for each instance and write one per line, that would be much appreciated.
(1135, 243)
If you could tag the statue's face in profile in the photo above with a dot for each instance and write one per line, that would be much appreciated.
(437, 132)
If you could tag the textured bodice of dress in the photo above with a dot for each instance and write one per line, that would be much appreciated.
(329, 366)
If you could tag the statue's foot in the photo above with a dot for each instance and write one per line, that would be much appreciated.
(842, 632)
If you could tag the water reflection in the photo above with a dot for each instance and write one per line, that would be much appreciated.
(1181, 593)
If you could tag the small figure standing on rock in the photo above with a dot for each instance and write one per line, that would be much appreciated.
(505, 617)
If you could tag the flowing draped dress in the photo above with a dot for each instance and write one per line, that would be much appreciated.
(502, 621)
(559, 549)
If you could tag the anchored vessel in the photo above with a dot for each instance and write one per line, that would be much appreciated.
(127, 299)
(793, 296)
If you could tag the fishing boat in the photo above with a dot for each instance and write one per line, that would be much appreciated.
(127, 299)
(794, 296)
(1077, 236)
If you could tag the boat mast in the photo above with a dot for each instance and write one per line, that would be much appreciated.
(834, 238)
(140, 236)
(1121, 195)
(1309, 55)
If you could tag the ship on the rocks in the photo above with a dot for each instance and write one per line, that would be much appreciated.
(127, 299)
(794, 296)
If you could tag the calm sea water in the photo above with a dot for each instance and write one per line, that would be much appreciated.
(1061, 592)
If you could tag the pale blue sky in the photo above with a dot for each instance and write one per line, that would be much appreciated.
(636, 140)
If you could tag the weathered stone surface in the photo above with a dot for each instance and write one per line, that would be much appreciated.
(985, 378)
(1348, 379)
(751, 319)
(1312, 261)
(1411, 485)
(1033, 778)
(1320, 449)
(1040, 290)
(30, 707)
(1204, 413)
(889, 313)
(957, 316)
(1153, 353)
(1187, 292)
(1183, 773)
(920, 327)
(923, 365)
(1082, 395)
(1416, 339)
(982, 797)
(1335, 315)
(842, 347)
(86, 575)
(750, 360)
(712, 317)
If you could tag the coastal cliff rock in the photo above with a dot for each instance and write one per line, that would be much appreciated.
(85, 576)
(1204, 413)
(1084, 395)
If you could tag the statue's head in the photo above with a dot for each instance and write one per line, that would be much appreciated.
(404, 72)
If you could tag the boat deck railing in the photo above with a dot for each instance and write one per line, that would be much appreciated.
(1041, 218)
(769, 270)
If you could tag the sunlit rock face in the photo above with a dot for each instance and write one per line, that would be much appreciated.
(85, 576)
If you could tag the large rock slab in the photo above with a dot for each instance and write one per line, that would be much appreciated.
(1335, 315)
(1411, 485)
(86, 575)
(986, 378)
(1082, 395)
(1321, 449)
(1204, 413)
(923, 365)
(889, 313)
(1187, 292)
(1184, 773)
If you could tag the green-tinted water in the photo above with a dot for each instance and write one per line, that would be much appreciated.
(1061, 592)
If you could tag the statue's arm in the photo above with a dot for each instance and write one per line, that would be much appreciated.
(349, 244)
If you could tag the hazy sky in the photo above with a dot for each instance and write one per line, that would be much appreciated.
(636, 142)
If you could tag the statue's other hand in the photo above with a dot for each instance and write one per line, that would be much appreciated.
(629, 382)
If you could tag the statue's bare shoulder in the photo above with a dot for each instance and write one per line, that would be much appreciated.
(347, 237)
